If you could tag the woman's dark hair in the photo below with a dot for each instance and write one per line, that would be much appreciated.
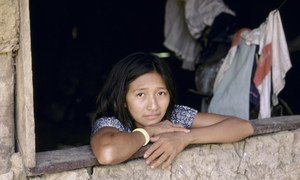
(112, 98)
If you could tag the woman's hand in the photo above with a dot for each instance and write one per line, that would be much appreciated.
(164, 149)
(164, 127)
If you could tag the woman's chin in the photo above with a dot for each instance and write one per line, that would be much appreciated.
(152, 122)
(146, 121)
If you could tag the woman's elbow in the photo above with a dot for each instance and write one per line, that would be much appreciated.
(248, 128)
(106, 155)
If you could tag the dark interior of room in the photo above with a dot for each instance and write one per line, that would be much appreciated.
(75, 43)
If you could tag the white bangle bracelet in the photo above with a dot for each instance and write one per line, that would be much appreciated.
(145, 134)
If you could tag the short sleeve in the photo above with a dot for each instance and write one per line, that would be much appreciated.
(183, 115)
(108, 122)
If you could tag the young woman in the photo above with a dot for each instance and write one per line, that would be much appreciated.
(137, 106)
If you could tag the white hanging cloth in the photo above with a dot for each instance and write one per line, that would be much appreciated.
(274, 61)
(272, 66)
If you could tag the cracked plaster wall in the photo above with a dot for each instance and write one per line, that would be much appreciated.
(9, 27)
(271, 156)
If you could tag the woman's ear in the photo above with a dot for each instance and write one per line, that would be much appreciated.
(125, 105)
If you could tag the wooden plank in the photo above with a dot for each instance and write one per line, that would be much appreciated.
(63, 160)
(275, 124)
(24, 90)
(82, 157)
(68, 159)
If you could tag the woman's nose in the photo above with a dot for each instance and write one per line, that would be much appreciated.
(152, 103)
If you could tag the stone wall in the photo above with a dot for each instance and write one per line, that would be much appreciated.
(270, 156)
(8, 44)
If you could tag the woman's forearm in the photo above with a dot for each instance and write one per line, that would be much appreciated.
(114, 148)
(166, 146)
(111, 146)
(229, 130)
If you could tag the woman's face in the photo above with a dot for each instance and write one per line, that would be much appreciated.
(147, 99)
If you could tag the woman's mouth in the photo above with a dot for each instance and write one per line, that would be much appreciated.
(152, 116)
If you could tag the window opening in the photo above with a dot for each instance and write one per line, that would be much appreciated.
(74, 45)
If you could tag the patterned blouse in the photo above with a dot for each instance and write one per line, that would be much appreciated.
(183, 115)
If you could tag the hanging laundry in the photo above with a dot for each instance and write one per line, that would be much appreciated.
(231, 97)
(184, 22)
(274, 61)
(269, 75)
(229, 57)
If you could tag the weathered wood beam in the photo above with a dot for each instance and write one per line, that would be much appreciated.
(82, 157)
(275, 124)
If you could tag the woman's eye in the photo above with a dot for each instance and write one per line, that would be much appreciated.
(162, 93)
(140, 94)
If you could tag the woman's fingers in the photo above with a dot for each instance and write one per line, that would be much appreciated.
(177, 127)
(160, 160)
(164, 150)
(168, 161)
(165, 127)
(161, 157)
(154, 138)
(180, 129)
(158, 155)
(151, 149)
(155, 155)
